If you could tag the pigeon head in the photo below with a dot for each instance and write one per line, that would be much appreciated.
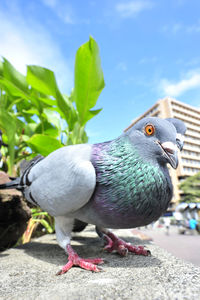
(156, 140)
(181, 129)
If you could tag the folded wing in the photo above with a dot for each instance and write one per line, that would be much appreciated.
(62, 182)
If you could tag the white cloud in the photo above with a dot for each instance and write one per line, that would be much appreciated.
(132, 8)
(27, 42)
(62, 9)
(50, 3)
(121, 66)
(191, 81)
(193, 28)
(181, 28)
(148, 60)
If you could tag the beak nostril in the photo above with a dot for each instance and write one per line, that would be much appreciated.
(169, 150)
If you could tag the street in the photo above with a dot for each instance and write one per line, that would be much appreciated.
(184, 246)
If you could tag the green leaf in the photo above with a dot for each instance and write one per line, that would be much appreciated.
(48, 101)
(14, 83)
(89, 80)
(29, 129)
(8, 124)
(47, 129)
(92, 113)
(52, 117)
(15, 77)
(44, 223)
(1, 68)
(42, 79)
(77, 135)
(12, 89)
(43, 144)
(67, 110)
(31, 112)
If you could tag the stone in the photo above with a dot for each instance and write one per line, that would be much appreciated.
(14, 215)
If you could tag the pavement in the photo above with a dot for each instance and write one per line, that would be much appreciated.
(185, 246)
(28, 272)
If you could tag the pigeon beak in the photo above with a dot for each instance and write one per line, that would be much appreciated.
(170, 152)
(180, 141)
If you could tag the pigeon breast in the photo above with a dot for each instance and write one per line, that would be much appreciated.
(130, 192)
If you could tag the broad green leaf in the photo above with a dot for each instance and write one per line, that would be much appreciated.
(1, 68)
(31, 112)
(42, 79)
(92, 113)
(89, 80)
(25, 138)
(8, 124)
(48, 101)
(52, 117)
(67, 110)
(15, 77)
(12, 89)
(47, 129)
(43, 144)
(20, 102)
(34, 98)
(77, 135)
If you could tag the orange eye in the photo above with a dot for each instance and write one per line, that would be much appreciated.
(149, 129)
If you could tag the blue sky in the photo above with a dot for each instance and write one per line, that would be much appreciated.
(149, 49)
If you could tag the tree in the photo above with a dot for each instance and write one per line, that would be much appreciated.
(191, 189)
(36, 118)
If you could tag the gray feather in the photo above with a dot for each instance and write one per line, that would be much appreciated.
(123, 183)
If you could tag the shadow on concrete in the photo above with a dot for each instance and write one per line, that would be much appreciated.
(88, 247)
(3, 255)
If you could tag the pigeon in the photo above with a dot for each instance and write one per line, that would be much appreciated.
(122, 183)
(181, 129)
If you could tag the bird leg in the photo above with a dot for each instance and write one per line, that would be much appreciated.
(75, 260)
(122, 247)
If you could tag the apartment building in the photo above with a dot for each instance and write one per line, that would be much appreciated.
(189, 158)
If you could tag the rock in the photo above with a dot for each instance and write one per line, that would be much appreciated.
(14, 214)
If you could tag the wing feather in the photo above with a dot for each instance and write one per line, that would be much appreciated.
(64, 181)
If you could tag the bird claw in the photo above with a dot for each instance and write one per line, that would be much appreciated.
(75, 260)
(122, 250)
(148, 253)
(59, 273)
(122, 247)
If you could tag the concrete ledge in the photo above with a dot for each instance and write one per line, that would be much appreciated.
(28, 272)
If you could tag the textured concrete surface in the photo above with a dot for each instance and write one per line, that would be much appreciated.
(28, 272)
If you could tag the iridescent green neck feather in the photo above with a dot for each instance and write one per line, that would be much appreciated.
(130, 191)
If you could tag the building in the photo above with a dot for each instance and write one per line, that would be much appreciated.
(189, 158)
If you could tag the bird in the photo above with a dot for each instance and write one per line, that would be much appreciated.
(181, 129)
(118, 184)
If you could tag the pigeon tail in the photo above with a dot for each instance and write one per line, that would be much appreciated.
(15, 184)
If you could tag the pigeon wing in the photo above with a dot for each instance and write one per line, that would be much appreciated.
(62, 182)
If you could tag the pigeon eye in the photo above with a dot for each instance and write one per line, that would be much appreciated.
(149, 129)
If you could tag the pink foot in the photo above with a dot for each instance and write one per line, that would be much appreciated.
(75, 260)
(115, 243)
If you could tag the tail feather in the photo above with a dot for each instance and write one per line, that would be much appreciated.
(20, 183)
(15, 184)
